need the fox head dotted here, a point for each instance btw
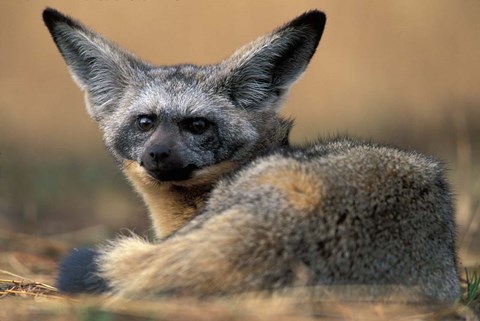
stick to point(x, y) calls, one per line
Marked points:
point(181, 123)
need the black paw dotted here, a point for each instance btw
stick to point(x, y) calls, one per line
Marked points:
point(78, 273)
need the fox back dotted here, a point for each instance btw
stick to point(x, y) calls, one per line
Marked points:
point(234, 205)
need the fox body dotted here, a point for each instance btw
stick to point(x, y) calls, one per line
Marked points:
point(234, 206)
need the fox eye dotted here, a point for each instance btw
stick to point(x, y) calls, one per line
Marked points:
point(145, 122)
point(196, 126)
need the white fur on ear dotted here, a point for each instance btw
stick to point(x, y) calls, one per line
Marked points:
point(98, 66)
point(259, 74)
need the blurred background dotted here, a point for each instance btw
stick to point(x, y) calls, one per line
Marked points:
point(400, 72)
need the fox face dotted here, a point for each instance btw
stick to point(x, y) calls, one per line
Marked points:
point(177, 123)
point(173, 133)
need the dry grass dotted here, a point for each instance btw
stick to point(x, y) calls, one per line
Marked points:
point(25, 288)
point(24, 299)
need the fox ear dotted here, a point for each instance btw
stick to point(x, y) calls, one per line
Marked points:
point(259, 74)
point(97, 65)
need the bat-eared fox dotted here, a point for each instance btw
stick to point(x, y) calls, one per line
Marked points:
point(234, 206)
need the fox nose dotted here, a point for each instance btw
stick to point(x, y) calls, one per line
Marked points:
point(161, 157)
point(158, 153)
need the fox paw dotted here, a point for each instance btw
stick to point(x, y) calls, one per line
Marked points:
point(78, 273)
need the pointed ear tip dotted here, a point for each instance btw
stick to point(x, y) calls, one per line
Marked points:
point(315, 18)
point(319, 15)
point(52, 17)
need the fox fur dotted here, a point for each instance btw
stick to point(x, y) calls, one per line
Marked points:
point(237, 208)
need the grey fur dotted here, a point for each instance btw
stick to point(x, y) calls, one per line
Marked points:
point(119, 87)
point(353, 213)
point(386, 217)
